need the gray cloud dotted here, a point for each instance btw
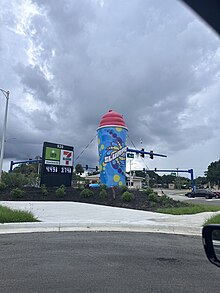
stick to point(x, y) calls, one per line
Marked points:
point(154, 62)
point(35, 83)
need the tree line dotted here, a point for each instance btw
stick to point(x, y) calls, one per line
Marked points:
point(212, 175)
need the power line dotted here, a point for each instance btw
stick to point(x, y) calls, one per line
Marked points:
point(132, 142)
point(136, 149)
point(86, 147)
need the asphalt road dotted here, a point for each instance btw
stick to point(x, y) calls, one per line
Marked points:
point(213, 201)
point(105, 262)
point(180, 195)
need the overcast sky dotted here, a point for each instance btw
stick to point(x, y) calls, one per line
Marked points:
point(66, 63)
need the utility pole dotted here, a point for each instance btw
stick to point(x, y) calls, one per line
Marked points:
point(147, 178)
point(6, 94)
point(177, 178)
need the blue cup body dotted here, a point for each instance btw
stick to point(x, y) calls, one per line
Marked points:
point(112, 147)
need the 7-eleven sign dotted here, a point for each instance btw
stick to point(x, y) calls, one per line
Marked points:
point(66, 158)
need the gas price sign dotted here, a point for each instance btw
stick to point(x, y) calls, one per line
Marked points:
point(57, 164)
point(51, 169)
point(66, 170)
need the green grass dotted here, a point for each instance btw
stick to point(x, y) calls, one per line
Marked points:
point(189, 210)
point(8, 215)
point(213, 220)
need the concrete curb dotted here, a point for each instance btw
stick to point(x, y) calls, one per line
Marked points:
point(96, 226)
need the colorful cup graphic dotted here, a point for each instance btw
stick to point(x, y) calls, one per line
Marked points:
point(112, 147)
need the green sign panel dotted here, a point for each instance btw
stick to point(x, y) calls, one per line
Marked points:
point(52, 154)
point(173, 174)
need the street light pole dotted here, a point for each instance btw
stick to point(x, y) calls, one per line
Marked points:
point(6, 94)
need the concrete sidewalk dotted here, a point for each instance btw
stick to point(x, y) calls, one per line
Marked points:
point(73, 216)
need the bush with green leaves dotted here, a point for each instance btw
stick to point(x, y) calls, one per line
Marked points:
point(103, 194)
point(166, 200)
point(33, 180)
point(123, 188)
point(61, 191)
point(127, 196)
point(154, 197)
point(104, 186)
point(153, 204)
point(13, 180)
point(2, 186)
point(44, 190)
point(86, 193)
point(147, 191)
point(17, 192)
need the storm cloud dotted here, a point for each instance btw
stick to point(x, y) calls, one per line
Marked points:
point(66, 63)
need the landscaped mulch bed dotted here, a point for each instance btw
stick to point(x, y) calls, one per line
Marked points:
point(140, 202)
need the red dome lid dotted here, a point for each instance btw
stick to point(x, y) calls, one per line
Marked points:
point(112, 118)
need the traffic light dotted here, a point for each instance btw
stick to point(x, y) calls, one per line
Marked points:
point(87, 167)
point(151, 155)
point(142, 155)
point(96, 168)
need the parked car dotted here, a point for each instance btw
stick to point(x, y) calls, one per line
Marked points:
point(94, 185)
point(201, 193)
point(217, 194)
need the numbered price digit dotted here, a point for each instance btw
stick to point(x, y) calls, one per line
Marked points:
point(51, 169)
point(65, 170)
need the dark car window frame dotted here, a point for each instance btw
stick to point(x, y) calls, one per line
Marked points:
point(207, 10)
point(208, 243)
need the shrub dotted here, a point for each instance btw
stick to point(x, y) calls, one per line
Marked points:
point(33, 180)
point(123, 188)
point(2, 186)
point(127, 196)
point(14, 179)
point(103, 186)
point(166, 200)
point(17, 193)
point(154, 197)
point(61, 191)
point(102, 194)
point(44, 190)
point(86, 192)
point(153, 204)
point(147, 191)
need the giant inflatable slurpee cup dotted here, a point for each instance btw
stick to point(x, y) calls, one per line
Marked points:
point(112, 147)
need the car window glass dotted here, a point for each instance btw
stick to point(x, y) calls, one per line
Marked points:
point(216, 242)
